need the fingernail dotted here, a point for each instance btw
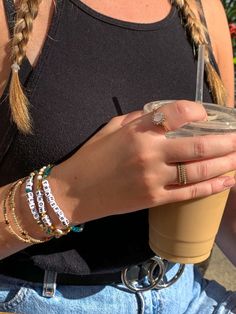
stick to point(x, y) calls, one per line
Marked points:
point(229, 182)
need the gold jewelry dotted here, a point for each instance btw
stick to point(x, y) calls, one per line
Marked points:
point(182, 175)
point(7, 222)
point(23, 236)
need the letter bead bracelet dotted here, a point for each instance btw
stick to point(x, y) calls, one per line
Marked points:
point(37, 192)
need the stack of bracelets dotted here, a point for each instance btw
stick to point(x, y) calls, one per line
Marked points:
point(40, 191)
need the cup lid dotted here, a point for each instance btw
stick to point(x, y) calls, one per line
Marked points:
point(220, 120)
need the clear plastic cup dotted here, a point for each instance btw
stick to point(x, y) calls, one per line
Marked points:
point(184, 232)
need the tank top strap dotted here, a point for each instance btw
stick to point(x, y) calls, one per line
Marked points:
point(10, 14)
point(203, 20)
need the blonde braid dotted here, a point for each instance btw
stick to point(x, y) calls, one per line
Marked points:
point(198, 33)
point(27, 12)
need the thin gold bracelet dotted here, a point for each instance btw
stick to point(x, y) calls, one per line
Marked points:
point(24, 236)
point(12, 210)
point(6, 219)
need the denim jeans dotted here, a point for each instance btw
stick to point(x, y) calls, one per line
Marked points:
point(191, 294)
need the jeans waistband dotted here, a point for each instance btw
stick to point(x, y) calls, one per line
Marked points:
point(132, 276)
point(35, 274)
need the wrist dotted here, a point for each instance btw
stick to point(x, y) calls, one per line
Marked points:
point(41, 214)
point(75, 190)
point(65, 190)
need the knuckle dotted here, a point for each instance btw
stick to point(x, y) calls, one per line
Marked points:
point(148, 184)
point(115, 119)
point(199, 148)
point(182, 107)
point(140, 163)
point(194, 191)
point(131, 137)
point(139, 145)
point(148, 187)
point(190, 110)
point(202, 170)
point(142, 159)
point(154, 197)
point(211, 188)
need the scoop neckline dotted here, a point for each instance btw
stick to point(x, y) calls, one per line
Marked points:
point(126, 24)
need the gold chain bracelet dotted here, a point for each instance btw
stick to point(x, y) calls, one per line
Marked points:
point(24, 236)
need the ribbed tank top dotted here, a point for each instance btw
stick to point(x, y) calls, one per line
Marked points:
point(92, 68)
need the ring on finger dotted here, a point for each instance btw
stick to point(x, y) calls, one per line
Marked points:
point(182, 173)
point(159, 118)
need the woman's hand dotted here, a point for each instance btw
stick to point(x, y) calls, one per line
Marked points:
point(130, 165)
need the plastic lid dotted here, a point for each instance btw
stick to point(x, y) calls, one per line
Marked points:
point(220, 120)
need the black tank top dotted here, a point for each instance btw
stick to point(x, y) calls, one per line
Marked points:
point(91, 69)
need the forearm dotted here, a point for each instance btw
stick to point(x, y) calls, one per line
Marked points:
point(76, 196)
point(226, 237)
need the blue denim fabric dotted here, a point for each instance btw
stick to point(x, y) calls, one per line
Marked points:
point(191, 294)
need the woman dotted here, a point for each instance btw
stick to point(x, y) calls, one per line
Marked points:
point(83, 65)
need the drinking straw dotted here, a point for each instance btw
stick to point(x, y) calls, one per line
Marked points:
point(200, 74)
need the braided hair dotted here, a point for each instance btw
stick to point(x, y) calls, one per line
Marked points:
point(198, 35)
point(26, 13)
point(25, 16)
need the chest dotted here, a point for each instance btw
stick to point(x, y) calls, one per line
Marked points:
point(143, 11)
point(92, 69)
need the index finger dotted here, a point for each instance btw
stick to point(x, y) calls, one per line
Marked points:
point(180, 112)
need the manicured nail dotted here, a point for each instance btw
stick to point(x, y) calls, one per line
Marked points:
point(229, 182)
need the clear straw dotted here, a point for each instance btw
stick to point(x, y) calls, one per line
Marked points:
point(200, 74)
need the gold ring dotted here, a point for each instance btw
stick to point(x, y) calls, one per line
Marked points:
point(182, 175)
point(158, 118)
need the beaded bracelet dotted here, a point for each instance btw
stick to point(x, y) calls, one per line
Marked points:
point(52, 202)
point(39, 211)
point(40, 214)
point(44, 184)
point(42, 175)
point(24, 236)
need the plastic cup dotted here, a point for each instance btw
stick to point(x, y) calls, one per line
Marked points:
point(184, 232)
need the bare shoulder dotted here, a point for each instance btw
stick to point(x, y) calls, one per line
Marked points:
point(216, 21)
point(220, 37)
point(3, 25)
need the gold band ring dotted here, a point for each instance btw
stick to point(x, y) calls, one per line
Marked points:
point(182, 175)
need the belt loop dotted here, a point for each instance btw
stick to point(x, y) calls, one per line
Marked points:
point(49, 284)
